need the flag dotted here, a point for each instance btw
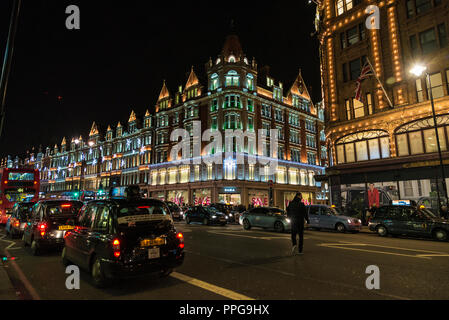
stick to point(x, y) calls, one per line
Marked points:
point(365, 73)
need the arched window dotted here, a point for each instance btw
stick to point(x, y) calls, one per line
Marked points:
point(231, 58)
point(250, 81)
point(419, 136)
point(361, 146)
point(232, 79)
point(214, 81)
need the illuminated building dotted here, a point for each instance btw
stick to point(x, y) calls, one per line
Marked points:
point(392, 146)
point(232, 95)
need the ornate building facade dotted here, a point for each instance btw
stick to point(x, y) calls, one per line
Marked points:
point(387, 139)
point(233, 95)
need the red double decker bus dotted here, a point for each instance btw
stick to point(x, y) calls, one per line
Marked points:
point(17, 185)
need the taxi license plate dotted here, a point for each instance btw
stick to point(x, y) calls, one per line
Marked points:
point(154, 253)
point(66, 227)
point(152, 242)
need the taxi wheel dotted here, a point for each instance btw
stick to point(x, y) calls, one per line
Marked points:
point(246, 224)
point(340, 227)
point(165, 272)
point(278, 226)
point(64, 259)
point(35, 248)
point(97, 273)
point(382, 231)
point(440, 235)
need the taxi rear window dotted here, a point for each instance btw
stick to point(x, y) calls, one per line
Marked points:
point(142, 213)
point(59, 209)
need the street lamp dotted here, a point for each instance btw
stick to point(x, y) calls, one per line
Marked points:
point(417, 71)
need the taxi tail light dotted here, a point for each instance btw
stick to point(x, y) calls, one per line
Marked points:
point(116, 247)
point(16, 223)
point(42, 228)
point(66, 205)
point(180, 237)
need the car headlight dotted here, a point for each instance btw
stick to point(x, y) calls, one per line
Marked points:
point(230, 215)
point(360, 221)
point(213, 217)
point(226, 218)
point(288, 220)
point(349, 220)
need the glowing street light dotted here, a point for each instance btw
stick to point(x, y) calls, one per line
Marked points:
point(77, 141)
point(418, 70)
point(91, 143)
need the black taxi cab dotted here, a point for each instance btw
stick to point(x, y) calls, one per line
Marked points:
point(49, 221)
point(124, 237)
point(402, 218)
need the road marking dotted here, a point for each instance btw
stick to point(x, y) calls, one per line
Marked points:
point(251, 237)
point(343, 245)
point(210, 287)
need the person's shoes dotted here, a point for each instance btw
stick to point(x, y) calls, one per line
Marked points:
point(300, 253)
point(293, 250)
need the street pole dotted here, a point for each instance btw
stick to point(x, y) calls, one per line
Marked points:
point(438, 144)
point(8, 59)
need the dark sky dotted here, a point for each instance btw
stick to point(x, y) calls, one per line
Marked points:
point(118, 59)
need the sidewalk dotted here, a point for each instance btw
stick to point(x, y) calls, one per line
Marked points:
point(7, 291)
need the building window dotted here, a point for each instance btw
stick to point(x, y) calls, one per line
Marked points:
point(348, 109)
point(209, 172)
point(281, 152)
point(419, 90)
point(355, 67)
point(250, 81)
point(310, 125)
point(278, 115)
point(250, 105)
point(364, 145)
point(310, 141)
point(214, 105)
point(280, 174)
point(214, 81)
point(267, 127)
point(295, 137)
point(293, 119)
point(419, 136)
point(442, 36)
point(266, 111)
point(428, 41)
point(295, 155)
point(229, 169)
point(250, 126)
point(414, 45)
point(344, 5)
point(232, 121)
point(436, 82)
point(232, 101)
point(251, 172)
point(415, 7)
point(359, 108)
point(277, 94)
point(270, 82)
point(352, 36)
point(323, 152)
point(311, 158)
point(369, 103)
point(232, 79)
point(214, 123)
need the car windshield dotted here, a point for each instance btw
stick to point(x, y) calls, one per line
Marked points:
point(334, 211)
point(212, 210)
point(173, 206)
point(24, 210)
point(142, 214)
point(63, 209)
point(426, 213)
point(277, 211)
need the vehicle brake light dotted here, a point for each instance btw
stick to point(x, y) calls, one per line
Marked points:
point(116, 247)
point(16, 223)
point(42, 227)
point(143, 207)
point(180, 237)
point(5, 182)
point(67, 205)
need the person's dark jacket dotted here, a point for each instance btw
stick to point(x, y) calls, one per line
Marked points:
point(297, 211)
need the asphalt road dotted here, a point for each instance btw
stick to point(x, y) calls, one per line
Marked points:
point(231, 263)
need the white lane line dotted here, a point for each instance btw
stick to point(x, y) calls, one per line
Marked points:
point(251, 237)
point(389, 247)
point(210, 287)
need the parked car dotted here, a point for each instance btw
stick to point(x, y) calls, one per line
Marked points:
point(329, 217)
point(410, 221)
point(17, 222)
point(267, 218)
point(206, 215)
point(49, 222)
point(175, 210)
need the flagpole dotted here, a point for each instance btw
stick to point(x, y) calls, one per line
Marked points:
point(378, 80)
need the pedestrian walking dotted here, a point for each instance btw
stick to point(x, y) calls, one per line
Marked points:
point(297, 213)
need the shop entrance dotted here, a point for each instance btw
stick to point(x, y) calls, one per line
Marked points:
point(230, 198)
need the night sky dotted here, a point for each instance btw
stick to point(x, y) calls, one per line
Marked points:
point(63, 80)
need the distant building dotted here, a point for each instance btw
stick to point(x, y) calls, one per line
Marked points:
point(233, 95)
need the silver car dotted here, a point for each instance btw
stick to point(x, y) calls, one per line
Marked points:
point(265, 217)
point(328, 217)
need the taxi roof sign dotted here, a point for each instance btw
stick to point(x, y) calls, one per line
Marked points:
point(401, 202)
